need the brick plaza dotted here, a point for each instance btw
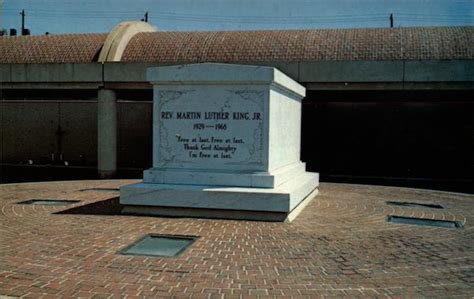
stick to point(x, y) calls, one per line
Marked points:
point(339, 246)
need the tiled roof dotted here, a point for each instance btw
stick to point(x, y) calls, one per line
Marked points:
point(70, 48)
point(303, 45)
point(419, 43)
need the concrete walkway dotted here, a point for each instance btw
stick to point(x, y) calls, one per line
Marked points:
point(340, 245)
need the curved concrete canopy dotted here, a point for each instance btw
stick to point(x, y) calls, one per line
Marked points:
point(118, 39)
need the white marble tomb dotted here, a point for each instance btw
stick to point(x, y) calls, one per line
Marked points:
point(226, 144)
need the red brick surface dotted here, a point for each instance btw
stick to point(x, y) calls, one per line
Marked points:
point(339, 246)
point(70, 48)
point(252, 46)
point(303, 45)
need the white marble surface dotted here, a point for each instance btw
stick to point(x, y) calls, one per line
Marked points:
point(221, 178)
point(284, 129)
point(225, 125)
point(210, 127)
point(219, 73)
point(282, 199)
point(225, 137)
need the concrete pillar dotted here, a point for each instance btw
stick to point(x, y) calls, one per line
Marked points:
point(106, 133)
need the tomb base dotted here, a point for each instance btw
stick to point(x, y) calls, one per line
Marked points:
point(282, 203)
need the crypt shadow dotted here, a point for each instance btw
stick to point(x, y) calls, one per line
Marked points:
point(110, 206)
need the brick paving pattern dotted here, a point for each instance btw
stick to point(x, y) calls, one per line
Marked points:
point(339, 246)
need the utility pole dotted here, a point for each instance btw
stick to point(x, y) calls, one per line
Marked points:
point(22, 13)
point(146, 17)
point(391, 20)
point(3, 31)
point(24, 31)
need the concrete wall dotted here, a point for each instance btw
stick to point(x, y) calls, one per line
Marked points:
point(135, 125)
point(29, 132)
point(420, 135)
point(425, 135)
point(431, 137)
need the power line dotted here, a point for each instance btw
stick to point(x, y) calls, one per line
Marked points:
point(108, 12)
point(207, 18)
point(122, 13)
point(215, 18)
point(338, 20)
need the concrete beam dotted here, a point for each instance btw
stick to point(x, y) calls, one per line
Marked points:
point(51, 73)
point(106, 133)
point(439, 71)
point(390, 86)
point(136, 72)
point(128, 85)
point(314, 74)
point(351, 71)
point(126, 72)
point(5, 73)
point(51, 85)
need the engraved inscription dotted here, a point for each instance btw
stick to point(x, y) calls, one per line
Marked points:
point(210, 144)
point(223, 131)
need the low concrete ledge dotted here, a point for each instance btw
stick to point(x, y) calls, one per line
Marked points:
point(351, 71)
point(127, 72)
point(366, 86)
point(439, 71)
point(397, 71)
point(51, 73)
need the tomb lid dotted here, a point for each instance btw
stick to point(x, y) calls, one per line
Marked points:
point(220, 73)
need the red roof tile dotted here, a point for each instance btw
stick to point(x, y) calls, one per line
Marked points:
point(71, 48)
point(251, 46)
point(302, 45)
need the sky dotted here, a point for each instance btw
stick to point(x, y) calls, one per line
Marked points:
point(75, 16)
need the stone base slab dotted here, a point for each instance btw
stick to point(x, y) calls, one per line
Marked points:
point(220, 214)
point(250, 203)
point(236, 179)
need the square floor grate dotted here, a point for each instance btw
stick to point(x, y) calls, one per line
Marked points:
point(425, 222)
point(414, 204)
point(159, 245)
point(48, 202)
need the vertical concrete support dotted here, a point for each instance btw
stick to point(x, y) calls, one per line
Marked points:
point(106, 133)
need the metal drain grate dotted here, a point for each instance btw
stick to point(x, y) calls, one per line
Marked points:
point(48, 202)
point(100, 190)
point(425, 222)
point(159, 245)
point(414, 204)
